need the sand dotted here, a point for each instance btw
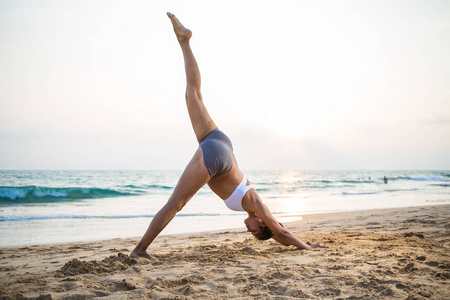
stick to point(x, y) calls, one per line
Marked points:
point(375, 254)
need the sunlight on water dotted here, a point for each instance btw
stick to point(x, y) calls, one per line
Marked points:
point(288, 181)
point(288, 218)
point(289, 204)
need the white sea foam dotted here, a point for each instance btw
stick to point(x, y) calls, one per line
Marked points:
point(428, 178)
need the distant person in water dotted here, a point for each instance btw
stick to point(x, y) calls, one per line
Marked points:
point(214, 164)
point(385, 179)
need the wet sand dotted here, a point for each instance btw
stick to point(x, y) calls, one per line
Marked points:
point(375, 254)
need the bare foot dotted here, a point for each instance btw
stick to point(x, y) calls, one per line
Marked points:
point(183, 34)
point(136, 254)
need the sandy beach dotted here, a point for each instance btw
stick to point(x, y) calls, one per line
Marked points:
point(374, 254)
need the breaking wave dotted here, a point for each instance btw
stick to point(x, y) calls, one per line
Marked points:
point(48, 194)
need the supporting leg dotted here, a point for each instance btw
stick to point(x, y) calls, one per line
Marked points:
point(200, 118)
point(193, 178)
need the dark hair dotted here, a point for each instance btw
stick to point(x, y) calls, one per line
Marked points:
point(265, 233)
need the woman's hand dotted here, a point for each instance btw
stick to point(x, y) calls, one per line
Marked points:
point(318, 245)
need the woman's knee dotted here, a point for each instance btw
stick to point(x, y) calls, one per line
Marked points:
point(176, 204)
point(193, 95)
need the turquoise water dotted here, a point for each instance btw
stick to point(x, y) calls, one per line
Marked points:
point(39, 207)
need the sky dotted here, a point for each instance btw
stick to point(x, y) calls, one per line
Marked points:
point(296, 85)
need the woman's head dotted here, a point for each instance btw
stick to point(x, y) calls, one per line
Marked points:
point(257, 227)
point(264, 234)
point(254, 224)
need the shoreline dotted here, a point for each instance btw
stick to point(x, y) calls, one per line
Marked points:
point(307, 216)
point(70, 207)
point(376, 253)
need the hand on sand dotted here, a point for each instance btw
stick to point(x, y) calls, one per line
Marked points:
point(318, 245)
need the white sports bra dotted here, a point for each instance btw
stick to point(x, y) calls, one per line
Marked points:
point(234, 202)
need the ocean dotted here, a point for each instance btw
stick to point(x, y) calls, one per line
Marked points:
point(42, 207)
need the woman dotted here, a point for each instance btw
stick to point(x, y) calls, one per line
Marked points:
point(213, 163)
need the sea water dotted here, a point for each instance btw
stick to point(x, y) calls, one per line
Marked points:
point(40, 207)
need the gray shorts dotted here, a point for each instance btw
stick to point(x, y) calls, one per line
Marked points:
point(217, 153)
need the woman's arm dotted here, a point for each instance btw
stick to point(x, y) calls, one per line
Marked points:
point(289, 239)
point(297, 242)
point(280, 234)
point(253, 204)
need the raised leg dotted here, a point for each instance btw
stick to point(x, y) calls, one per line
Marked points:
point(200, 118)
point(193, 178)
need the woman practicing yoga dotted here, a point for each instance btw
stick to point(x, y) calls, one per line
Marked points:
point(213, 163)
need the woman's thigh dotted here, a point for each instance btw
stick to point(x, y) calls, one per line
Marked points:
point(200, 118)
point(194, 177)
